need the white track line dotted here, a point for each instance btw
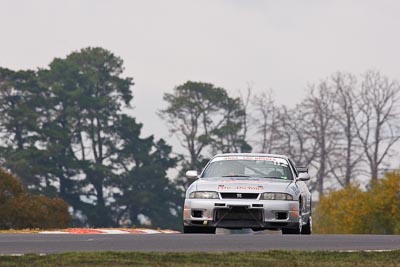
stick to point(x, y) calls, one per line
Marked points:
point(52, 232)
point(116, 231)
point(113, 232)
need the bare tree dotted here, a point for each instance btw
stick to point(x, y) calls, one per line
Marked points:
point(294, 140)
point(345, 162)
point(322, 129)
point(377, 120)
point(266, 120)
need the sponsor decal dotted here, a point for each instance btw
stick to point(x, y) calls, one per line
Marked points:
point(241, 187)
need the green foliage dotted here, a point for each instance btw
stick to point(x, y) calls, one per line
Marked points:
point(202, 117)
point(20, 106)
point(19, 210)
point(353, 211)
point(67, 134)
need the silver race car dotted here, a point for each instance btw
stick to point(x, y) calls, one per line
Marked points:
point(247, 190)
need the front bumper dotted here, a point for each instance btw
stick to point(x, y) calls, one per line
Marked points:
point(243, 213)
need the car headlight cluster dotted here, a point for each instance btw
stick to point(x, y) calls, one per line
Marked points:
point(276, 196)
point(204, 195)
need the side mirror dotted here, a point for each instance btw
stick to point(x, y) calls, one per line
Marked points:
point(303, 176)
point(301, 169)
point(192, 175)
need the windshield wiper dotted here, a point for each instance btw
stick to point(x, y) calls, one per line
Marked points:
point(271, 177)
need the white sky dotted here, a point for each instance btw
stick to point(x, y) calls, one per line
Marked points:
point(272, 44)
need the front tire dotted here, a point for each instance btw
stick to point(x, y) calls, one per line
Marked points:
point(198, 230)
point(307, 229)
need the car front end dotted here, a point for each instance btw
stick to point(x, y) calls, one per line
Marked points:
point(245, 207)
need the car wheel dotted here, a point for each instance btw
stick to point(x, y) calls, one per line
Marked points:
point(198, 230)
point(307, 229)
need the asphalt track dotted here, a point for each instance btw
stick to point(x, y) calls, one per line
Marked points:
point(58, 243)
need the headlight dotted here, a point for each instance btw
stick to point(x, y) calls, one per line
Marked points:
point(276, 196)
point(204, 194)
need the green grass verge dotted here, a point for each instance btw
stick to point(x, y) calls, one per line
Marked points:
point(267, 258)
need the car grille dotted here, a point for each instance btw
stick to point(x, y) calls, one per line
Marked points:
point(239, 195)
point(239, 217)
point(239, 213)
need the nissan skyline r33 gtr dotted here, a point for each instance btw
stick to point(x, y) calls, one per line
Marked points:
point(247, 190)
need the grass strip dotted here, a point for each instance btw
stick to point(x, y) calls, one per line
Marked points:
point(267, 258)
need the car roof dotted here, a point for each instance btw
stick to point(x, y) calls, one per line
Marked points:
point(251, 155)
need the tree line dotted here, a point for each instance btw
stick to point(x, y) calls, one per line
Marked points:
point(67, 131)
point(344, 128)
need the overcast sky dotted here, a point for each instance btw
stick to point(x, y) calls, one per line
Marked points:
point(272, 44)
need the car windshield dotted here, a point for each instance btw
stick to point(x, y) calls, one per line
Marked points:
point(264, 167)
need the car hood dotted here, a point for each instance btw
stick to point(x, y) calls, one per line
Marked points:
point(241, 184)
